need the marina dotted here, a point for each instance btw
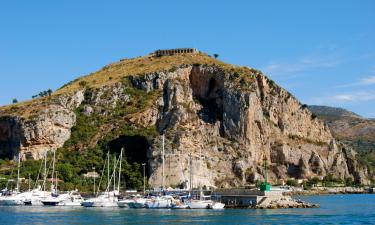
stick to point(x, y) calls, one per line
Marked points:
point(334, 209)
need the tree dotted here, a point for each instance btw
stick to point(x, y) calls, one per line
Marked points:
point(14, 101)
point(216, 55)
point(82, 83)
point(291, 182)
point(49, 92)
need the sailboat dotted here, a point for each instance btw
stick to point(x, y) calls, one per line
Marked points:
point(15, 197)
point(136, 202)
point(204, 202)
point(107, 198)
point(72, 198)
point(160, 202)
point(165, 201)
point(34, 197)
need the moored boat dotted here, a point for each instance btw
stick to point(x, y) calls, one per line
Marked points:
point(161, 202)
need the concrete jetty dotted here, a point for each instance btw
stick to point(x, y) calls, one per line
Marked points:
point(254, 198)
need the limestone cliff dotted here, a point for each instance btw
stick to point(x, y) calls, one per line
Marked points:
point(220, 122)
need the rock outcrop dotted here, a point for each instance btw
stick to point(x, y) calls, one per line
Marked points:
point(232, 129)
point(221, 123)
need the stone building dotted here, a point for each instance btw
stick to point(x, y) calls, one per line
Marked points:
point(164, 52)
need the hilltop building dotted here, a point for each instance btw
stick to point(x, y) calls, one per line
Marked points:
point(164, 52)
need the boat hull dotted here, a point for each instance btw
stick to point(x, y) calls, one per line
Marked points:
point(50, 203)
point(11, 202)
point(136, 205)
point(87, 204)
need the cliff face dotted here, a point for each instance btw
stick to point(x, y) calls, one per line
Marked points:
point(351, 129)
point(220, 124)
point(46, 131)
point(232, 126)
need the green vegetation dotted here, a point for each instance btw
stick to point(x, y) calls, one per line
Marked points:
point(291, 182)
point(43, 94)
point(351, 130)
point(89, 142)
point(79, 154)
point(14, 101)
point(118, 71)
point(82, 83)
point(303, 139)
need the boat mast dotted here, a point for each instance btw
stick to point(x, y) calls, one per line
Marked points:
point(200, 179)
point(119, 172)
point(56, 183)
point(191, 172)
point(18, 173)
point(45, 172)
point(53, 169)
point(29, 182)
point(114, 172)
point(162, 157)
point(108, 173)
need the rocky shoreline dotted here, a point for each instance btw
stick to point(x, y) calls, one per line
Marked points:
point(287, 203)
point(332, 190)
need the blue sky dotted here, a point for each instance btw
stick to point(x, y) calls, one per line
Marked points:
point(321, 51)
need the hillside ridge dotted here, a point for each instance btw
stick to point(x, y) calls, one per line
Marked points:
point(232, 117)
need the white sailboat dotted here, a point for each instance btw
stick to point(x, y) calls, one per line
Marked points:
point(138, 202)
point(107, 198)
point(72, 198)
point(204, 202)
point(165, 201)
point(15, 197)
point(160, 202)
point(34, 197)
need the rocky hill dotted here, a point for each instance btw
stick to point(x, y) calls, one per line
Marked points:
point(351, 129)
point(220, 122)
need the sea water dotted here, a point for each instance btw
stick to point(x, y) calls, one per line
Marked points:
point(335, 209)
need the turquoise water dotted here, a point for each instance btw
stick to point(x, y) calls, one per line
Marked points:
point(335, 209)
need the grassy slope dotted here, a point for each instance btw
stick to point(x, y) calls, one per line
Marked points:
point(115, 72)
point(79, 154)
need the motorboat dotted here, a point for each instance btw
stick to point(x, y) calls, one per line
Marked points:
point(216, 205)
point(198, 204)
point(204, 202)
point(179, 205)
point(36, 196)
point(12, 200)
point(70, 199)
point(124, 203)
point(138, 203)
point(160, 202)
point(52, 201)
point(75, 199)
point(106, 199)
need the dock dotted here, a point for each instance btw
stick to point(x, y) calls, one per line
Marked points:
point(254, 198)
